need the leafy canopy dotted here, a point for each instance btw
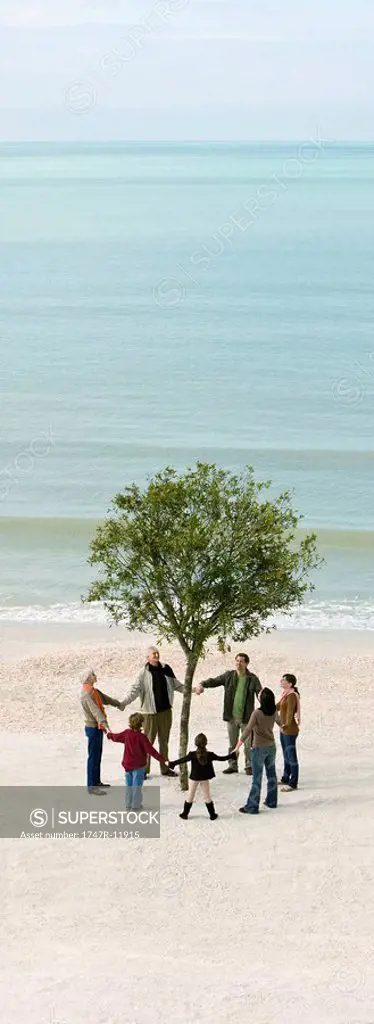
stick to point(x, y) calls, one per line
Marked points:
point(199, 555)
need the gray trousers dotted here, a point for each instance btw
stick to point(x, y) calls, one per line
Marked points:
point(234, 729)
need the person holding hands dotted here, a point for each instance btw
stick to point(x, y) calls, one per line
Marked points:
point(240, 689)
point(136, 750)
point(260, 733)
point(93, 702)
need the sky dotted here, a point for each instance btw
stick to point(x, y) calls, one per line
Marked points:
point(186, 69)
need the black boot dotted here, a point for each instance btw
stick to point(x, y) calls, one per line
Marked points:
point(186, 810)
point(211, 811)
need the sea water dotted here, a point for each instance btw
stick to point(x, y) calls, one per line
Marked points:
point(167, 303)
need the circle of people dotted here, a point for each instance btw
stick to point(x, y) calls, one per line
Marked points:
point(248, 727)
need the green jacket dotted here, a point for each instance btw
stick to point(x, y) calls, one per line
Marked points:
point(229, 681)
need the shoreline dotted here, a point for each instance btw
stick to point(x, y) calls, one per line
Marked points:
point(25, 640)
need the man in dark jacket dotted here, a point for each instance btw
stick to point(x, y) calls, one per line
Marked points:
point(241, 687)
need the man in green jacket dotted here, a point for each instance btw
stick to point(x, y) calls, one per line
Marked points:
point(241, 687)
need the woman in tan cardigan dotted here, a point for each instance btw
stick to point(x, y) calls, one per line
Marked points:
point(288, 719)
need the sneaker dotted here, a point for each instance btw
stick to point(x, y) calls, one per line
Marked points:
point(288, 789)
point(170, 774)
point(230, 771)
point(96, 791)
point(243, 810)
point(104, 785)
point(248, 771)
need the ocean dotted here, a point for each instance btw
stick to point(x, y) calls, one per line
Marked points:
point(165, 303)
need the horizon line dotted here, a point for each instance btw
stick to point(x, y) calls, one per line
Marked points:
point(182, 142)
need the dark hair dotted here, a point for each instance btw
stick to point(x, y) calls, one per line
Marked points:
point(200, 744)
point(245, 656)
point(291, 679)
point(267, 701)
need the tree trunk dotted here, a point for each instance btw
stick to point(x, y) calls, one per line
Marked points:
point(192, 661)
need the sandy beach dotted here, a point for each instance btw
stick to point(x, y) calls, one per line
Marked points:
point(266, 918)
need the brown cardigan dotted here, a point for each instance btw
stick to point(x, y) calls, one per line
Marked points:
point(286, 715)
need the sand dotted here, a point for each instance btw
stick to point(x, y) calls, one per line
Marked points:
point(267, 919)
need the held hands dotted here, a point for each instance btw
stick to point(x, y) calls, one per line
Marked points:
point(198, 689)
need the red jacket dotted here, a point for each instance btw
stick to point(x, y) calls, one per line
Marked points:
point(137, 746)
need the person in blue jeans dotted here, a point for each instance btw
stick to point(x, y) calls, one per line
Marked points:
point(137, 749)
point(93, 703)
point(288, 719)
point(260, 731)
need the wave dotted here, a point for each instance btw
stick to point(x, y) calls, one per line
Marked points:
point(316, 615)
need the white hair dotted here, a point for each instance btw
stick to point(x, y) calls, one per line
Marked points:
point(87, 674)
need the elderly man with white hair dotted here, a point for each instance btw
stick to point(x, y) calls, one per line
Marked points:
point(155, 687)
point(96, 723)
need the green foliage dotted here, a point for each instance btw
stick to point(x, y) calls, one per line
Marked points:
point(201, 555)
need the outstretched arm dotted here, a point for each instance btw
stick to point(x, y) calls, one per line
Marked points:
point(151, 750)
point(224, 757)
point(181, 760)
point(247, 731)
point(117, 737)
point(212, 681)
point(132, 694)
point(109, 700)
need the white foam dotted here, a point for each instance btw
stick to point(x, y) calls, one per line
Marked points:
point(75, 612)
point(318, 615)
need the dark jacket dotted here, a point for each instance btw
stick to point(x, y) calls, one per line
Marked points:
point(229, 681)
point(202, 772)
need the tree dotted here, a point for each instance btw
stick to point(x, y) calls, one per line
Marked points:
point(200, 555)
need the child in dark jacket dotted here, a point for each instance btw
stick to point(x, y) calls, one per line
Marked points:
point(137, 748)
point(201, 772)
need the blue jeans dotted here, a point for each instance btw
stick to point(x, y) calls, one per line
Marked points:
point(95, 749)
point(133, 791)
point(291, 765)
point(263, 757)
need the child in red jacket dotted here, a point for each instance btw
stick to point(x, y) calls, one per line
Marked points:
point(134, 761)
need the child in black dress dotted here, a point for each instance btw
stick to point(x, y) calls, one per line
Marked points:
point(201, 771)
